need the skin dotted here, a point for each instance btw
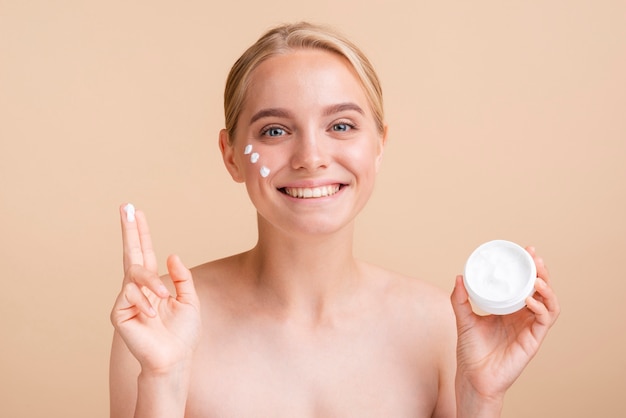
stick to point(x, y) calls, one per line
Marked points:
point(297, 326)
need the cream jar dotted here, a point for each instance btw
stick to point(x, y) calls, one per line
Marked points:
point(499, 276)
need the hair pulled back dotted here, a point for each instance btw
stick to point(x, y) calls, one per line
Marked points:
point(287, 38)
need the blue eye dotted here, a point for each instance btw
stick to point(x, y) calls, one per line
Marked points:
point(274, 131)
point(341, 127)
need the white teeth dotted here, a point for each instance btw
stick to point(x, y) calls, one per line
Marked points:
point(312, 192)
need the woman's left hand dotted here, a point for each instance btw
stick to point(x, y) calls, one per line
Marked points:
point(493, 350)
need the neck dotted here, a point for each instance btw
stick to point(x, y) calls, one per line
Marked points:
point(303, 274)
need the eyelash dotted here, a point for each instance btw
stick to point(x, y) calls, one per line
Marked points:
point(349, 126)
point(265, 131)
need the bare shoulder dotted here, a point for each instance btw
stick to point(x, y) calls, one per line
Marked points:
point(208, 273)
point(418, 309)
point(411, 295)
point(219, 277)
point(421, 321)
point(398, 296)
point(210, 277)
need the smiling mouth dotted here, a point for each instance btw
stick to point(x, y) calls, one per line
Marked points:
point(311, 192)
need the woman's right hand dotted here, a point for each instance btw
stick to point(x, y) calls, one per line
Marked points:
point(160, 330)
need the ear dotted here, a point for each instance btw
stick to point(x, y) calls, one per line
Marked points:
point(381, 147)
point(228, 155)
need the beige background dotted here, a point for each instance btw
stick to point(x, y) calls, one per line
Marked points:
point(508, 120)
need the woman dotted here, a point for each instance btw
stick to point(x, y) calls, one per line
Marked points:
point(297, 326)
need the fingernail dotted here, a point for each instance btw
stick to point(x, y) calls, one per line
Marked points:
point(130, 212)
point(163, 292)
point(152, 312)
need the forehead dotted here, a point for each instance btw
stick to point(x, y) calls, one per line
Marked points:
point(304, 77)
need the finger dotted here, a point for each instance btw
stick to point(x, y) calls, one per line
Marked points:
point(460, 303)
point(542, 323)
point(130, 302)
point(542, 270)
point(183, 281)
point(145, 240)
point(131, 242)
point(548, 297)
point(536, 295)
point(546, 313)
point(136, 239)
point(142, 277)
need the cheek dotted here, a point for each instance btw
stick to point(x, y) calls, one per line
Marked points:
point(258, 161)
point(362, 158)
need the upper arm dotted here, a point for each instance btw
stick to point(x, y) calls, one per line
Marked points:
point(446, 400)
point(123, 372)
point(433, 343)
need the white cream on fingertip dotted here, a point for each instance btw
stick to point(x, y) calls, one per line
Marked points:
point(264, 171)
point(130, 212)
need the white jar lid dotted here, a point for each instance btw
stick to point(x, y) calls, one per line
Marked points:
point(499, 276)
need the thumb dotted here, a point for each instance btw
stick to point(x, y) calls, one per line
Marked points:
point(461, 304)
point(183, 280)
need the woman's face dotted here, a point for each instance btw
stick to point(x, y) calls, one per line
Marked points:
point(306, 146)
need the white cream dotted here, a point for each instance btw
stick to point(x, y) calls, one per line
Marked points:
point(254, 157)
point(130, 212)
point(499, 276)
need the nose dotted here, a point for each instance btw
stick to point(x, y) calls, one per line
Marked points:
point(309, 152)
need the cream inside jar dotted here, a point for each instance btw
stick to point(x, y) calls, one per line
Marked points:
point(499, 276)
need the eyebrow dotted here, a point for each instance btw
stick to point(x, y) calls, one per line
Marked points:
point(342, 107)
point(283, 113)
point(271, 112)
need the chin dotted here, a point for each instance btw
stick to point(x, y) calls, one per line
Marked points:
point(309, 226)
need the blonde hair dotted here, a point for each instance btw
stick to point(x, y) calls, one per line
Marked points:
point(285, 38)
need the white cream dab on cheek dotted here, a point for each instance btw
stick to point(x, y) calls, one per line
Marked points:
point(499, 276)
point(254, 157)
point(130, 212)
